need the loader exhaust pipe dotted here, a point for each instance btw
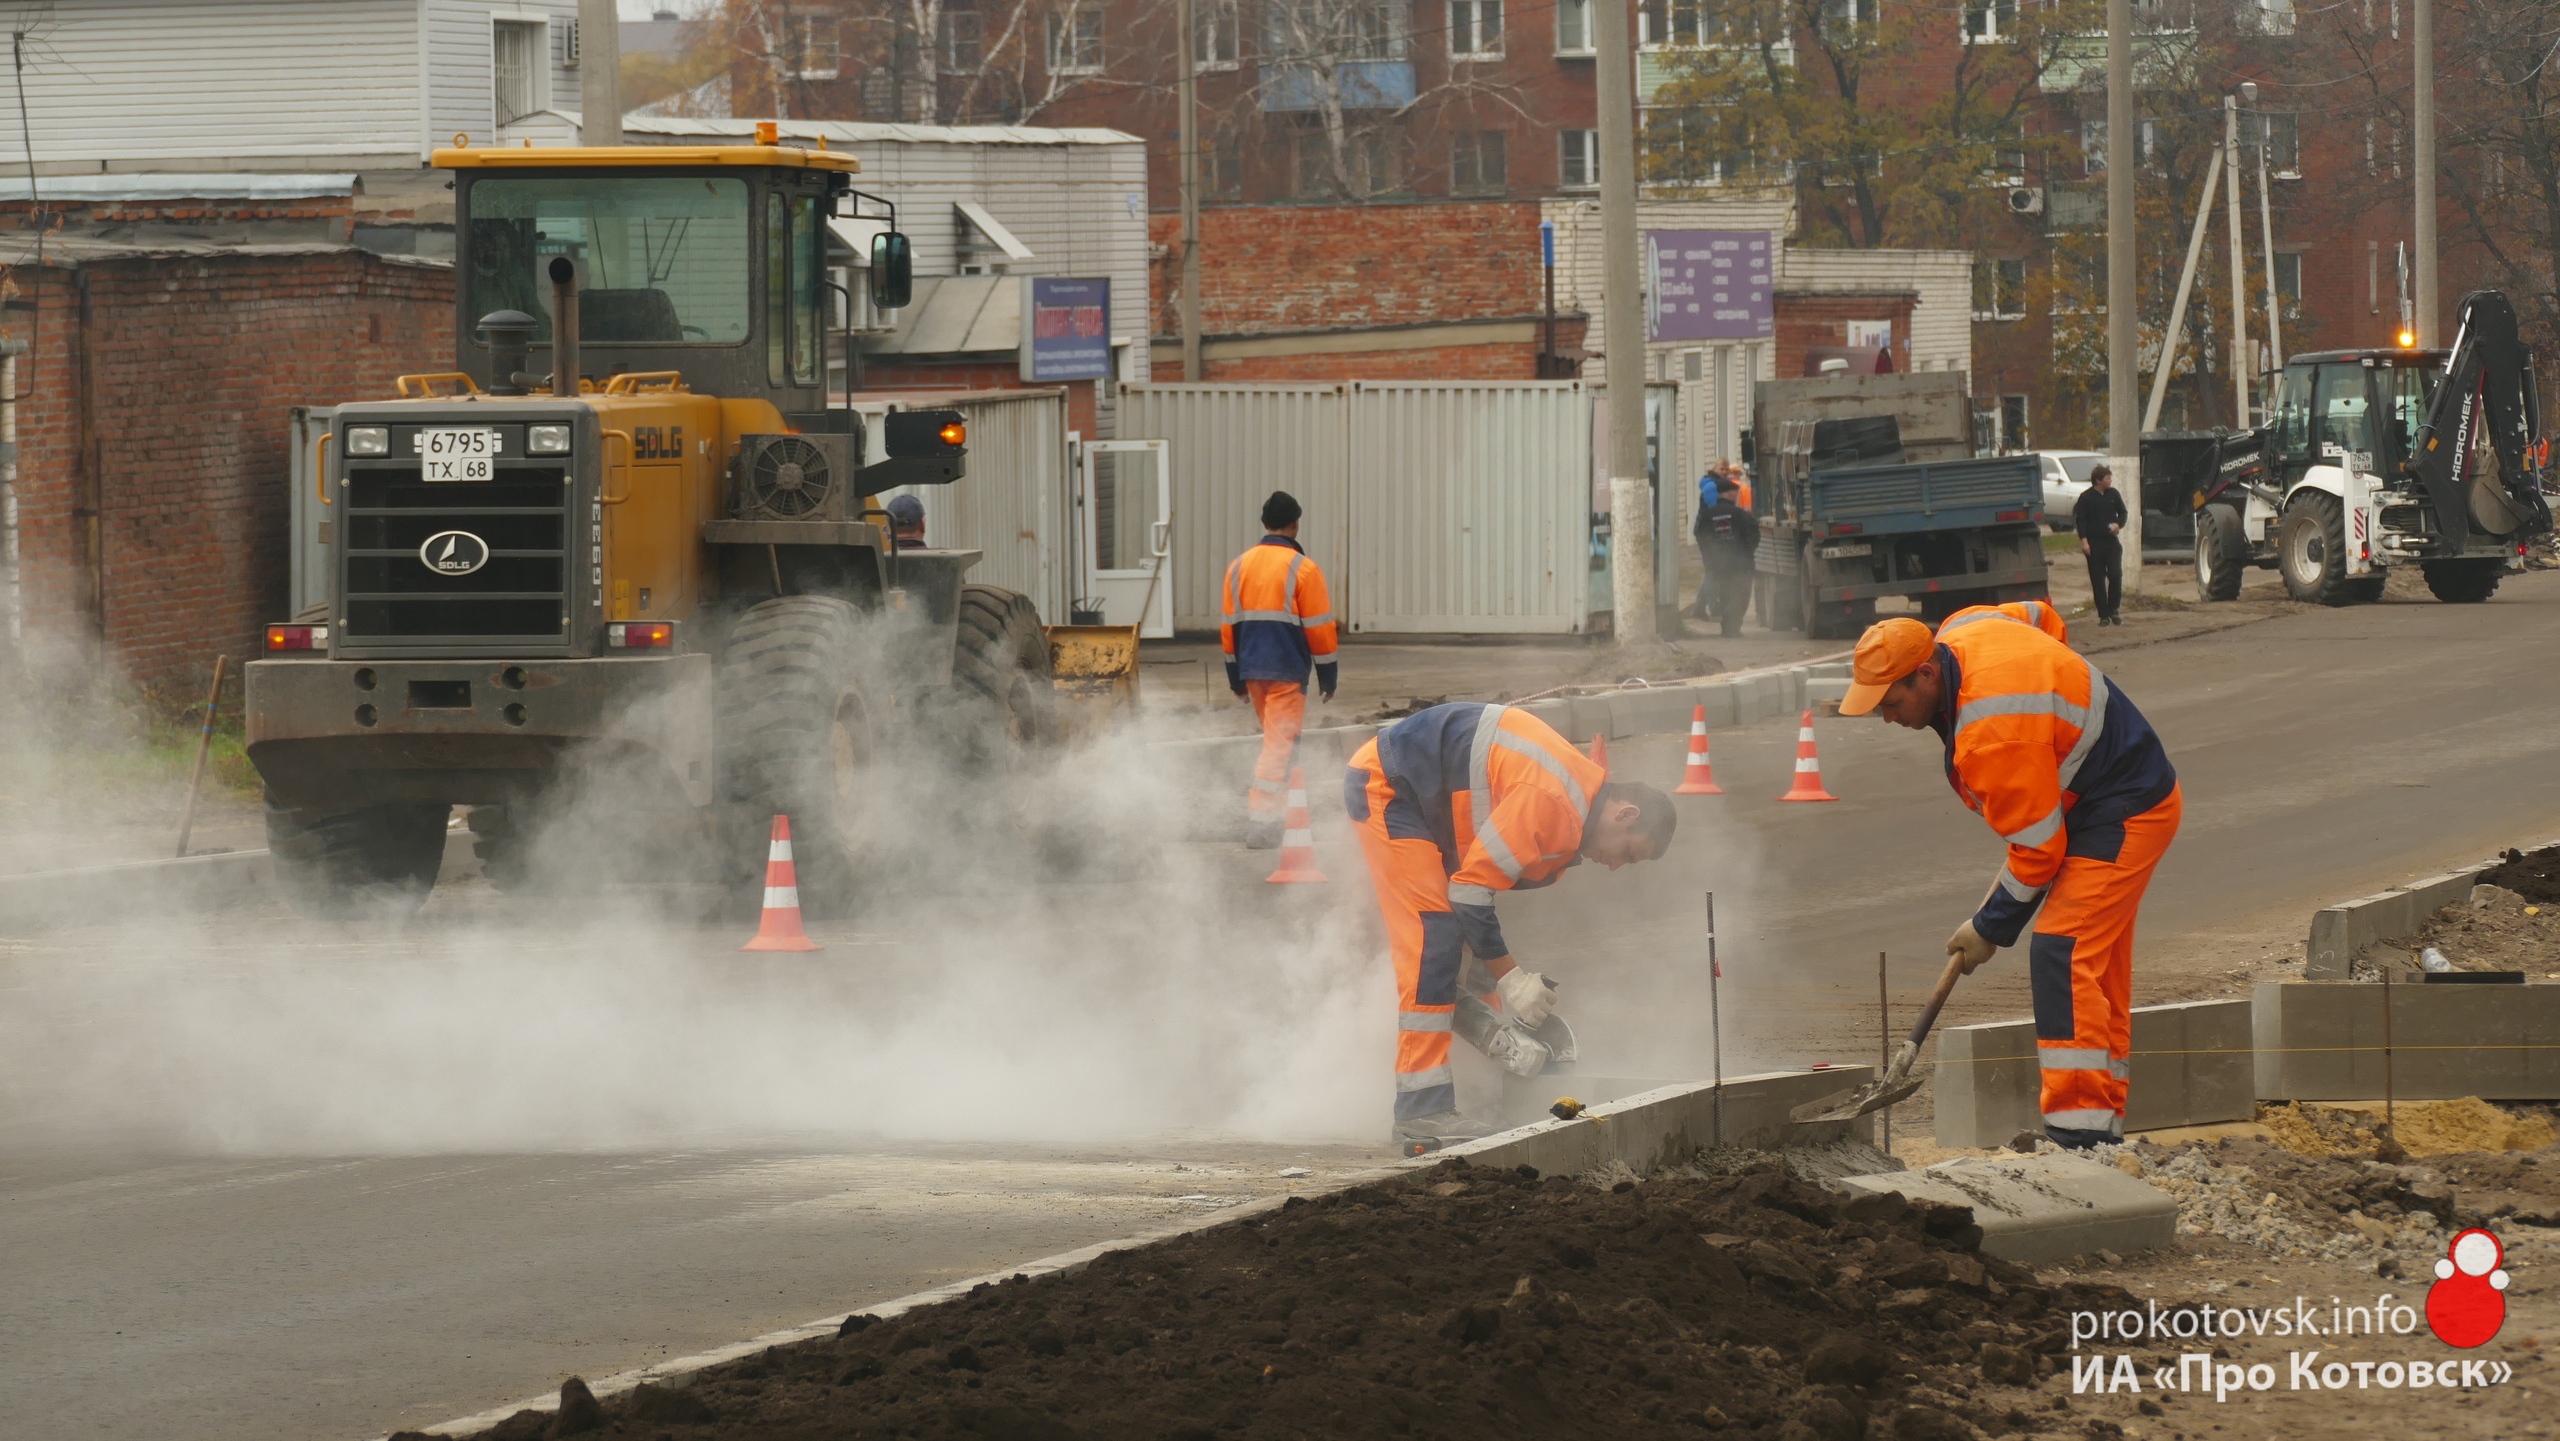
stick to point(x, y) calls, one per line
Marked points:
point(564, 325)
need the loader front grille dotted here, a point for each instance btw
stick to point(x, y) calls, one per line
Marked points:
point(516, 526)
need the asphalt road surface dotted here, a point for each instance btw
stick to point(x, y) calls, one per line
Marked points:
point(262, 1178)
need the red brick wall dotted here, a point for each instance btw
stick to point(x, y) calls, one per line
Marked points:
point(87, 216)
point(1343, 267)
point(191, 365)
point(1805, 321)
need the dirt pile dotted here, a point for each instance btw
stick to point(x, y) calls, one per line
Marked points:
point(1460, 1302)
point(2534, 875)
point(2496, 929)
point(2422, 1128)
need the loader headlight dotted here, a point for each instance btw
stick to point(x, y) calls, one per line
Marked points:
point(546, 439)
point(368, 440)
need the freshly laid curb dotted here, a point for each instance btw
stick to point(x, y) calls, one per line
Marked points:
point(2193, 1065)
point(2048, 1207)
point(43, 899)
point(2340, 932)
point(1659, 1128)
point(2324, 1041)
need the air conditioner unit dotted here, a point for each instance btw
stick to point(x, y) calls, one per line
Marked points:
point(2026, 200)
point(568, 44)
point(792, 477)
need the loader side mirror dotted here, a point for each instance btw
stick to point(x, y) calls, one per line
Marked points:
point(893, 271)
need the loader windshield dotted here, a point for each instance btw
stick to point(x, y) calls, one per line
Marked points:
point(666, 256)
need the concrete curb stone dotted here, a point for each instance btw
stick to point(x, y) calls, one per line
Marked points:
point(2034, 1209)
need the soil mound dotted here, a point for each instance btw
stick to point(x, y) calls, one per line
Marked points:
point(1459, 1302)
point(2534, 875)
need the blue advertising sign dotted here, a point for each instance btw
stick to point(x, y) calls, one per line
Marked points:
point(1710, 285)
point(1066, 328)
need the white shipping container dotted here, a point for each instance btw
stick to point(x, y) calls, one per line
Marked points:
point(1230, 446)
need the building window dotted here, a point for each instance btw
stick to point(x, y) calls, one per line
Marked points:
point(2284, 146)
point(2013, 422)
point(1679, 24)
point(2289, 284)
point(1840, 16)
point(2093, 147)
point(963, 42)
point(516, 69)
point(1579, 159)
point(1368, 169)
point(1475, 29)
point(1213, 37)
point(820, 54)
point(1075, 39)
point(1476, 163)
point(1573, 27)
point(1222, 164)
point(1999, 290)
point(1989, 20)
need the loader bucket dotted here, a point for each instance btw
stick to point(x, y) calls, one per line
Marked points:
point(1094, 669)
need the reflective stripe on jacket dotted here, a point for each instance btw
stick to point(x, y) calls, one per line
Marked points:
point(2041, 746)
point(1503, 796)
point(1279, 618)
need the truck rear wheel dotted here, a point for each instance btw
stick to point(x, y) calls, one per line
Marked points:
point(2463, 582)
point(363, 860)
point(792, 733)
point(2216, 577)
point(1002, 661)
point(2311, 550)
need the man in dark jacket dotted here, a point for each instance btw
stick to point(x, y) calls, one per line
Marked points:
point(2098, 515)
point(1726, 535)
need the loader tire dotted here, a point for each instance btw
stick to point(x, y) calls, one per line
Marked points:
point(2311, 550)
point(2463, 582)
point(502, 848)
point(2217, 576)
point(1001, 667)
point(792, 732)
point(333, 864)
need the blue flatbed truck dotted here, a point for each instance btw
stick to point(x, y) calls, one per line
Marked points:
point(1867, 486)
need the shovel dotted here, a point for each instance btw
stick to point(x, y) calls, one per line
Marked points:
point(1897, 1082)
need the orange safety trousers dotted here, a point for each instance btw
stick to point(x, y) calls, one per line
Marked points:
point(1281, 706)
point(2080, 971)
point(1412, 882)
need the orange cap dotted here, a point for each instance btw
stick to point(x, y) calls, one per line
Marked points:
point(1890, 650)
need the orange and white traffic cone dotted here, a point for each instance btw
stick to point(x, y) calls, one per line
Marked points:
point(1808, 786)
point(1700, 778)
point(780, 928)
point(1600, 749)
point(1297, 837)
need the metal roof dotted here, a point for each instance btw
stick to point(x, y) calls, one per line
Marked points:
point(849, 132)
point(178, 187)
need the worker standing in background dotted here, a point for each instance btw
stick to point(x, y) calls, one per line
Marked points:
point(1455, 803)
point(906, 522)
point(2098, 516)
point(2042, 746)
point(1727, 536)
point(1278, 623)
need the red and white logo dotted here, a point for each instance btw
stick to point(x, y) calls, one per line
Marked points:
point(2468, 1302)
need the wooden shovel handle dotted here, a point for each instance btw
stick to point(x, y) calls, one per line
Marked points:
point(1937, 998)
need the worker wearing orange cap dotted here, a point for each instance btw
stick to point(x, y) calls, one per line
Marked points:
point(2059, 762)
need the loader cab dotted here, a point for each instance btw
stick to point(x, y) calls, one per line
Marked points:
point(705, 260)
point(2356, 408)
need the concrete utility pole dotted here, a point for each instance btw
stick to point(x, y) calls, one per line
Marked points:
point(2422, 47)
point(2241, 361)
point(1187, 90)
point(599, 73)
point(1622, 312)
point(2124, 158)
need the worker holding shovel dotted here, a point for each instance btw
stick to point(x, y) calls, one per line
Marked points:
point(2058, 761)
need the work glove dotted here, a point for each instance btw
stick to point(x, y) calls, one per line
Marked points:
point(1528, 996)
point(1968, 946)
point(1328, 674)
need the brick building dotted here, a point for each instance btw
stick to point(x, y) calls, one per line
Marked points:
point(151, 499)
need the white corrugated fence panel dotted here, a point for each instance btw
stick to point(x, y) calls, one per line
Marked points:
point(1010, 503)
point(1231, 446)
point(1470, 507)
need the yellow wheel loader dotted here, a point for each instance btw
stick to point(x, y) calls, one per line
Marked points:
point(627, 539)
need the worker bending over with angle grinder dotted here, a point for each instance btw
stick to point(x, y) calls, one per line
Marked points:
point(1453, 804)
point(2060, 763)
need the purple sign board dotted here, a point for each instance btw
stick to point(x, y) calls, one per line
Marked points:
point(1066, 328)
point(1710, 285)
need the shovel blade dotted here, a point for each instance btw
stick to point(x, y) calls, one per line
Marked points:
point(1897, 1083)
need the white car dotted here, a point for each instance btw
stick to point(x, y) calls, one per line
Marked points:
point(2066, 476)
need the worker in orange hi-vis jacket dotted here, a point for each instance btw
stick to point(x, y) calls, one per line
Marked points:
point(1453, 804)
point(1278, 623)
point(2042, 746)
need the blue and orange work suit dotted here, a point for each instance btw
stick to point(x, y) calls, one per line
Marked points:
point(1278, 622)
point(1453, 804)
point(2059, 762)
